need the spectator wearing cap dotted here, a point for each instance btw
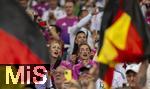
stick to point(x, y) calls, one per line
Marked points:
point(131, 75)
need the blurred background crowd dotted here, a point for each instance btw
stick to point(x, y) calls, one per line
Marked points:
point(71, 29)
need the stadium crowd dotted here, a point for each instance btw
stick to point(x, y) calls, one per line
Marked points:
point(71, 29)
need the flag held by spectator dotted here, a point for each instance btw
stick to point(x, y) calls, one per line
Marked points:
point(21, 41)
point(124, 33)
point(124, 36)
point(106, 74)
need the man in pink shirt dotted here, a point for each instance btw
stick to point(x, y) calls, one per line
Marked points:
point(67, 22)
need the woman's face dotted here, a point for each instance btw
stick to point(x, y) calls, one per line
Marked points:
point(80, 38)
point(55, 49)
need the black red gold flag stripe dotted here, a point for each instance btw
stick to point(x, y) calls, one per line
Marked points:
point(124, 36)
point(106, 74)
point(21, 41)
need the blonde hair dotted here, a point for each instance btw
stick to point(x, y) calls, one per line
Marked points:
point(55, 41)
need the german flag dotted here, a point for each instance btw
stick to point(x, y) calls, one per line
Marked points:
point(123, 36)
point(106, 73)
point(21, 41)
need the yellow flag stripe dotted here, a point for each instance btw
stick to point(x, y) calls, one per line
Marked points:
point(107, 53)
point(118, 32)
point(116, 35)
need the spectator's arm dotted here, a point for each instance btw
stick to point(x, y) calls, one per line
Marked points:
point(142, 74)
point(84, 20)
point(81, 23)
point(96, 22)
point(53, 32)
